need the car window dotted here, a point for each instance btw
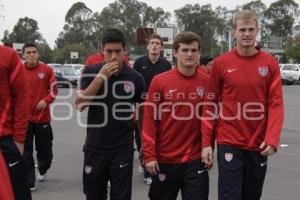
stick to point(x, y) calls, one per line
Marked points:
point(57, 70)
point(78, 67)
point(68, 71)
point(286, 67)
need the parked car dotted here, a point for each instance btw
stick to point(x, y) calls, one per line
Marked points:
point(60, 79)
point(70, 74)
point(291, 70)
point(286, 79)
point(76, 67)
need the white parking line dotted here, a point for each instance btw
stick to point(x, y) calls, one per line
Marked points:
point(284, 145)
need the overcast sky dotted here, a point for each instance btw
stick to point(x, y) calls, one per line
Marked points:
point(50, 14)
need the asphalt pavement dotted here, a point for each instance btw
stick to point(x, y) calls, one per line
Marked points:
point(64, 178)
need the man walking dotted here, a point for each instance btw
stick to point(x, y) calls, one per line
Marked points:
point(171, 129)
point(149, 66)
point(42, 92)
point(13, 119)
point(109, 89)
point(245, 91)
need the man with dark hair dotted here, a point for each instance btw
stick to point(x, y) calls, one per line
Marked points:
point(206, 63)
point(171, 130)
point(109, 89)
point(42, 92)
point(99, 58)
point(245, 92)
point(152, 63)
point(14, 116)
point(149, 66)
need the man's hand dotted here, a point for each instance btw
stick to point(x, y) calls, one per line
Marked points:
point(20, 147)
point(141, 157)
point(267, 150)
point(41, 105)
point(207, 157)
point(110, 69)
point(152, 167)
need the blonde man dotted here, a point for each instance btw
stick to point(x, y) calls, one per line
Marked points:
point(245, 85)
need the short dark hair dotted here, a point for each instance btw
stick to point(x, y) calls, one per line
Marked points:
point(26, 45)
point(205, 59)
point(113, 36)
point(156, 36)
point(186, 38)
point(8, 44)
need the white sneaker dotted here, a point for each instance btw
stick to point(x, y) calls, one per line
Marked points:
point(41, 177)
point(148, 180)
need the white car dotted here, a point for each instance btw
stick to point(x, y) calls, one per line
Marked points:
point(286, 79)
point(291, 70)
point(76, 67)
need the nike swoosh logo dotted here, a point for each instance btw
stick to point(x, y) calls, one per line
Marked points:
point(231, 70)
point(200, 172)
point(170, 91)
point(13, 164)
point(121, 166)
point(263, 164)
point(45, 126)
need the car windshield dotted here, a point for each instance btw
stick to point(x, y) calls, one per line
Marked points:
point(55, 65)
point(78, 67)
point(69, 71)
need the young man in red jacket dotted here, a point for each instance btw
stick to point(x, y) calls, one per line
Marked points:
point(171, 136)
point(42, 92)
point(13, 119)
point(245, 91)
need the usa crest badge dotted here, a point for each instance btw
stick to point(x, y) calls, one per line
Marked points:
point(162, 177)
point(41, 75)
point(228, 157)
point(128, 87)
point(200, 91)
point(88, 169)
point(263, 71)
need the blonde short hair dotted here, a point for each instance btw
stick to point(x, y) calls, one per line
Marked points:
point(244, 15)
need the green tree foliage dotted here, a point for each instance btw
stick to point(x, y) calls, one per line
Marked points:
point(209, 24)
point(281, 17)
point(62, 55)
point(26, 30)
point(6, 37)
point(128, 15)
point(45, 52)
point(259, 8)
point(293, 48)
point(78, 27)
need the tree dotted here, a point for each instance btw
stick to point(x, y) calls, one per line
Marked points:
point(281, 18)
point(62, 55)
point(6, 37)
point(45, 52)
point(293, 48)
point(78, 27)
point(26, 30)
point(209, 24)
point(259, 8)
point(128, 15)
